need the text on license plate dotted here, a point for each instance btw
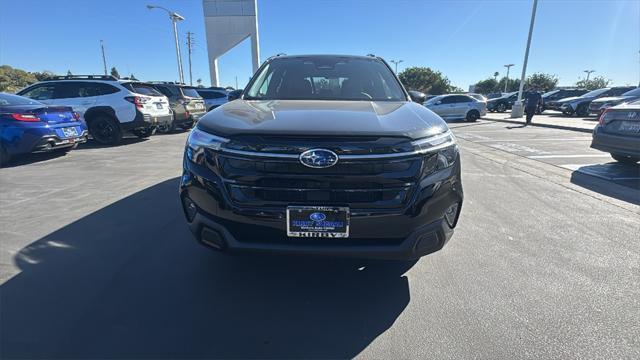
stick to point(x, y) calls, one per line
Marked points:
point(159, 105)
point(70, 132)
point(318, 221)
point(630, 126)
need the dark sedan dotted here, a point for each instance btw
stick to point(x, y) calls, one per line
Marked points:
point(618, 132)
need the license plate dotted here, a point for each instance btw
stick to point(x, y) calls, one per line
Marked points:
point(158, 105)
point(630, 126)
point(318, 221)
point(69, 131)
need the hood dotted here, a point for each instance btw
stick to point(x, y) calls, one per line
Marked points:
point(572, 98)
point(319, 117)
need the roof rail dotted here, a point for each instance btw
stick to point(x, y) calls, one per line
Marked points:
point(275, 56)
point(82, 77)
point(166, 82)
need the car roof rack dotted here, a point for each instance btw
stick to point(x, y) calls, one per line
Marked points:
point(82, 77)
point(166, 82)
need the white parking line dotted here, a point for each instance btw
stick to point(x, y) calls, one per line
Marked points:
point(516, 140)
point(569, 156)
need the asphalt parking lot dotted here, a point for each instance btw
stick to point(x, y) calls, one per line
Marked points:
point(96, 261)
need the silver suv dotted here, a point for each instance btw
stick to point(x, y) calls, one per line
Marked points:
point(457, 107)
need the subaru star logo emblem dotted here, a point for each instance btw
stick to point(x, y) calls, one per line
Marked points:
point(318, 158)
point(316, 216)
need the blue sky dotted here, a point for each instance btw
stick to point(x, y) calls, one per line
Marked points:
point(466, 40)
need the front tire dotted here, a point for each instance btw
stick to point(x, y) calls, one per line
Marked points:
point(629, 160)
point(582, 110)
point(501, 108)
point(473, 115)
point(105, 130)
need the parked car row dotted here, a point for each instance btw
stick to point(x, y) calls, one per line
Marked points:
point(469, 107)
point(99, 106)
point(581, 105)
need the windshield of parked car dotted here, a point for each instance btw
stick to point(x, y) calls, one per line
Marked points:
point(595, 92)
point(190, 92)
point(142, 89)
point(325, 78)
point(634, 92)
point(15, 100)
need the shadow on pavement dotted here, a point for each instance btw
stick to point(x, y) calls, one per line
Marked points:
point(129, 281)
point(599, 178)
point(25, 159)
point(127, 140)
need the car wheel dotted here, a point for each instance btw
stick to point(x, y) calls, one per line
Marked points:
point(473, 115)
point(167, 129)
point(625, 159)
point(4, 157)
point(105, 130)
point(582, 110)
point(143, 133)
point(567, 112)
point(501, 108)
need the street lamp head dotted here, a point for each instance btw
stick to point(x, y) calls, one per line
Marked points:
point(177, 16)
point(150, 7)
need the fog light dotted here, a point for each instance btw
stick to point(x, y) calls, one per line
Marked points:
point(451, 213)
point(190, 209)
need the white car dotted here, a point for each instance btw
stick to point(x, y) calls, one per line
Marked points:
point(457, 107)
point(108, 106)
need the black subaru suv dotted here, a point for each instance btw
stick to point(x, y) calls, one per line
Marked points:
point(323, 154)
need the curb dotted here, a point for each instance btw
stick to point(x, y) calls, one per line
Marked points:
point(553, 126)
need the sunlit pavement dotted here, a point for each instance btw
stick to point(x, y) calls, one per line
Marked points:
point(549, 118)
point(96, 262)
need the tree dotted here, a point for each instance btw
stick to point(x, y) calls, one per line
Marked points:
point(495, 76)
point(545, 82)
point(114, 73)
point(43, 75)
point(69, 73)
point(133, 77)
point(199, 82)
point(486, 86)
point(597, 82)
point(426, 80)
point(12, 80)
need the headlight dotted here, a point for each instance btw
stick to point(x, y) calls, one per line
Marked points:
point(198, 140)
point(441, 149)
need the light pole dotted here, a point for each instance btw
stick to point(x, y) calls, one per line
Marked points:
point(506, 81)
point(396, 62)
point(589, 73)
point(175, 17)
point(104, 58)
point(517, 110)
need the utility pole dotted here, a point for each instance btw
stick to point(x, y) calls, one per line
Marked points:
point(104, 58)
point(190, 49)
point(236, 82)
point(396, 62)
point(175, 17)
point(517, 110)
point(589, 73)
point(506, 81)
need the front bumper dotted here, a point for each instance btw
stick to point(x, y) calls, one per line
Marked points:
point(615, 144)
point(418, 229)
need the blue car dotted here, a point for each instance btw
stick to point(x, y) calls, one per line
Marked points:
point(28, 126)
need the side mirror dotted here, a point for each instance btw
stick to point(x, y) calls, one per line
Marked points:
point(235, 94)
point(417, 96)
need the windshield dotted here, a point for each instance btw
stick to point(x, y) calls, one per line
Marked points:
point(15, 100)
point(326, 78)
point(595, 92)
point(634, 92)
point(142, 89)
point(190, 92)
